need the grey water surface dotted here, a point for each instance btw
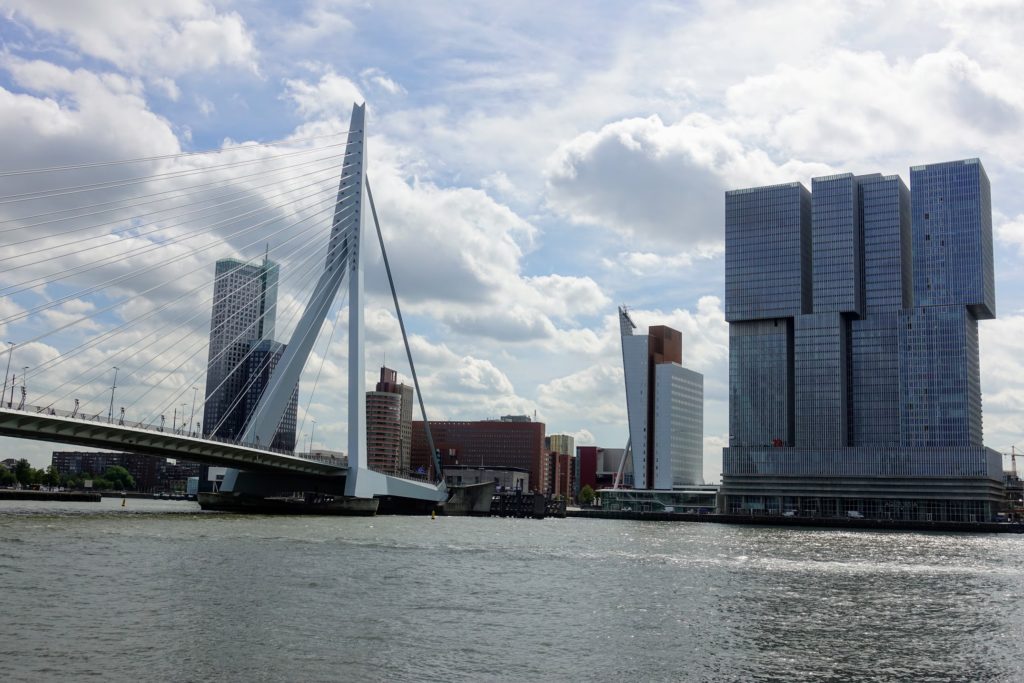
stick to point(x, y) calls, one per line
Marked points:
point(158, 591)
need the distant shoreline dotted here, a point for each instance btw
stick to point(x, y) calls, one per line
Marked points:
point(65, 496)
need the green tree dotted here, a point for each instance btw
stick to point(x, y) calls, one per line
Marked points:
point(586, 496)
point(119, 478)
point(52, 476)
point(23, 472)
point(7, 477)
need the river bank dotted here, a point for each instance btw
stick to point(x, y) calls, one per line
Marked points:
point(66, 496)
point(818, 522)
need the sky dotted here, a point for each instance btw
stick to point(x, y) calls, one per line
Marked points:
point(535, 165)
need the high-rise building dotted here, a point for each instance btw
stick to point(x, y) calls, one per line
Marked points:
point(664, 406)
point(262, 358)
point(560, 443)
point(389, 424)
point(561, 464)
point(244, 311)
point(853, 345)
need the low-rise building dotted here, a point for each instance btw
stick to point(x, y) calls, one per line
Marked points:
point(504, 478)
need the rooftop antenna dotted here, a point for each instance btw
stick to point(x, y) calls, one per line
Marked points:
point(266, 255)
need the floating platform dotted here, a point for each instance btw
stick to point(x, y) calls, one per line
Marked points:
point(469, 499)
point(303, 504)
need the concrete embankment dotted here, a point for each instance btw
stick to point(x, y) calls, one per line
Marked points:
point(827, 522)
point(66, 496)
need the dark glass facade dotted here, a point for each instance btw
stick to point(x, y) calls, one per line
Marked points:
point(760, 382)
point(951, 210)
point(837, 245)
point(262, 358)
point(868, 377)
point(767, 239)
point(821, 386)
point(244, 311)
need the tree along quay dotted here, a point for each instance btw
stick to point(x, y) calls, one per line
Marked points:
point(821, 522)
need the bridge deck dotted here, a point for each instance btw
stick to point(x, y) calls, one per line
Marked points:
point(98, 433)
point(35, 423)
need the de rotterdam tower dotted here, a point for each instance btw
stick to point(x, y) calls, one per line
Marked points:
point(853, 313)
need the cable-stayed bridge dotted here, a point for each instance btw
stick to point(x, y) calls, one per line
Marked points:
point(100, 278)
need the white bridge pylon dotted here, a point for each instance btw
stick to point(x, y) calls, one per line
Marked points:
point(342, 265)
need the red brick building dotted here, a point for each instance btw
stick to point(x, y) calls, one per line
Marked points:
point(508, 442)
point(587, 458)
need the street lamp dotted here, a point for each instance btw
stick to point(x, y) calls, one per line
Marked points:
point(195, 391)
point(110, 413)
point(7, 373)
point(311, 433)
point(183, 418)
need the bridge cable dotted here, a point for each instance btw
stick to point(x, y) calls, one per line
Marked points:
point(202, 344)
point(110, 333)
point(305, 335)
point(243, 145)
point(146, 248)
point(405, 337)
point(323, 359)
point(208, 392)
point(186, 294)
point(185, 190)
point(343, 255)
point(309, 276)
point(109, 185)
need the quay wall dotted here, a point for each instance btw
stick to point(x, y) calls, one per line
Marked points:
point(825, 522)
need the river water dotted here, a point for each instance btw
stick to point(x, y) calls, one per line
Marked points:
point(160, 591)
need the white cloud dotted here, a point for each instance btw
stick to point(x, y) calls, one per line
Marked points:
point(582, 437)
point(941, 105)
point(661, 183)
point(331, 96)
point(168, 37)
point(1002, 378)
point(321, 21)
point(648, 264)
point(205, 106)
point(80, 116)
point(168, 87)
point(377, 78)
point(593, 396)
point(1010, 230)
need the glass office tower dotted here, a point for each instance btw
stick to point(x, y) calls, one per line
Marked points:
point(853, 325)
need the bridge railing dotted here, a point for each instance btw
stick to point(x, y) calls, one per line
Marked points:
point(99, 418)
